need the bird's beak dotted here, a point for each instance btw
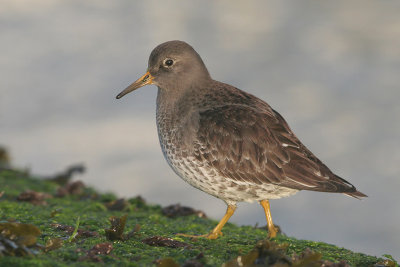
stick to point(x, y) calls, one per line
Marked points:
point(142, 81)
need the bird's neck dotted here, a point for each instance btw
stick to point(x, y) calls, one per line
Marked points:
point(171, 104)
point(184, 91)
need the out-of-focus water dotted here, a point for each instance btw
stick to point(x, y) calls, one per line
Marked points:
point(330, 68)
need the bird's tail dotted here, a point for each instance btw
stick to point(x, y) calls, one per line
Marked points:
point(356, 194)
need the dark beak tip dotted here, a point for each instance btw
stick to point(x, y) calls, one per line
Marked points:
point(120, 95)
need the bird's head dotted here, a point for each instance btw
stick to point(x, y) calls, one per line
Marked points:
point(172, 66)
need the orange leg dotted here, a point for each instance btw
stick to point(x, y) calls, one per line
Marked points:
point(271, 228)
point(217, 230)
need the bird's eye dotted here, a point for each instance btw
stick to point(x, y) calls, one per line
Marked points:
point(168, 62)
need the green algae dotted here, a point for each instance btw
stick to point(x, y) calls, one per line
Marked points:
point(142, 219)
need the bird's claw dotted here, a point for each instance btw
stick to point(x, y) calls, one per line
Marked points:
point(272, 232)
point(214, 235)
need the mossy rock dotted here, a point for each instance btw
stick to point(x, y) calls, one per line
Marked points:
point(142, 222)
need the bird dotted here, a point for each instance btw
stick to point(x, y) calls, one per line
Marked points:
point(225, 141)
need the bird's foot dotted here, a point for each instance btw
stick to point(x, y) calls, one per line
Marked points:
point(212, 235)
point(272, 231)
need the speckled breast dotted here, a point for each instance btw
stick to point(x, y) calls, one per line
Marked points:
point(181, 148)
point(177, 132)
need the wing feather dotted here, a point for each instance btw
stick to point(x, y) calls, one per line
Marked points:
point(256, 145)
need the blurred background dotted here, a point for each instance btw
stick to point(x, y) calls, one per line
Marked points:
point(332, 69)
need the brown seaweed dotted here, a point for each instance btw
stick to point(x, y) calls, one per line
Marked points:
point(159, 241)
point(178, 210)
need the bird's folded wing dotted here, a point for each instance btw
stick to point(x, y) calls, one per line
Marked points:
point(247, 145)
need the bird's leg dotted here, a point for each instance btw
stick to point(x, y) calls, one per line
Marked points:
point(216, 232)
point(271, 228)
